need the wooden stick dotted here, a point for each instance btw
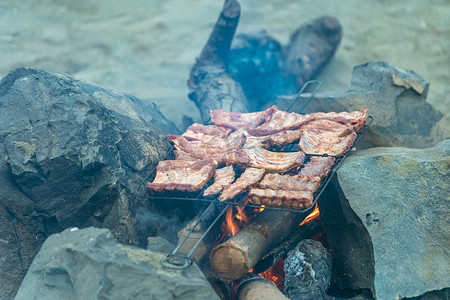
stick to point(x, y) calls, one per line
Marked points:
point(210, 214)
point(259, 288)
point(232, 260)
point(211, 86)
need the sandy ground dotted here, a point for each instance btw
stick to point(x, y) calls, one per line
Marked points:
point(147, 47)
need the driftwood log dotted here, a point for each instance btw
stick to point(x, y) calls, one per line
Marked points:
point(257, 68)
point(232, 259)
point(310, 48)
point(257, 288)
point(210, 85)
point(307, 271)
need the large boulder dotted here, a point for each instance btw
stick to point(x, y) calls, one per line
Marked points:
point(89, 264)
point(395, 98)
point(71, 154)
point(389, 228)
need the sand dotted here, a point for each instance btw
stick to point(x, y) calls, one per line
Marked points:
point(146, 48)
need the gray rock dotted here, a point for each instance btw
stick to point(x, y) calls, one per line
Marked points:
point(89, 264)
point(395, 98)
point(159, 244)
point(71, 154)
point(396, 202)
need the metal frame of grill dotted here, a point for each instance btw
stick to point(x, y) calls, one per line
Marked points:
point(181, 261)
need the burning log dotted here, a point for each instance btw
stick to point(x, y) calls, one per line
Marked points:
point(311, 46)
point(207, 217)
point(232, 259)
point(255, 288)
point(211, 86)
point(281, 251)
point(307, 271)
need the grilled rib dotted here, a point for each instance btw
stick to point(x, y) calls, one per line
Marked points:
point(281, 121)
point(189, 176)
point(206, 133)
point(237, 120)
point(259, 157)
point(279, 198)
point(222, 177)
point(201, 149)
point(319, 142)
point(249, 178)
point(332, 127)
point(277, 139)
point(317, 166)
point(289, 182)
point(354, 119)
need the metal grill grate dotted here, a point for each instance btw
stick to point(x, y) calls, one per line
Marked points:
point(181, 261)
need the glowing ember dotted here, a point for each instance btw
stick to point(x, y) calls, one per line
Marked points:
point(275, 274)
point(260, 209)
point(315, 213)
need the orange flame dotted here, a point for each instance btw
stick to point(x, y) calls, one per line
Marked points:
point(315, 213)
point(230, 224)
point(234, 223)
point(241, 216)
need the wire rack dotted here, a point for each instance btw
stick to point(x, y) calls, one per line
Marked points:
point(176, 260)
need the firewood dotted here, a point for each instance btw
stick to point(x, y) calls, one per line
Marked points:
point(208, 214)
point(211, 86)
point(258, 288)
point(305, 231)
point(232, 259)
point(311, 46)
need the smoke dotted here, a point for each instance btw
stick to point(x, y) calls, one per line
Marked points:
point(157, 224)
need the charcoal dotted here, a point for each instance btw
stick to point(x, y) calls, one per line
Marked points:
point(307, 271)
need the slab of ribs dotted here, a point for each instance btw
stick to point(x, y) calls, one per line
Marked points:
point(245, 154)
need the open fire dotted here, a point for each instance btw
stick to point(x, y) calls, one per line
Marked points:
point(238, 159)
point(235, 221)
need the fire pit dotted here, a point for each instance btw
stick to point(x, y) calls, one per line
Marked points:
point(235, 250)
